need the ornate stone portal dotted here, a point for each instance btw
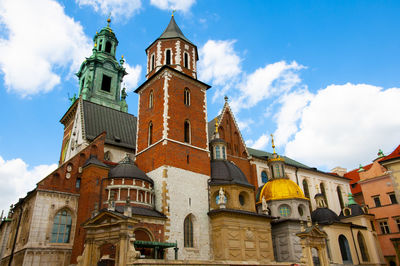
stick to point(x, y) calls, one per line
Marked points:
point(310, 238)
point(113, 229)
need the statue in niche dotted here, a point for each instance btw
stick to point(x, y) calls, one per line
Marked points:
point(264, 206)
point(221, 198)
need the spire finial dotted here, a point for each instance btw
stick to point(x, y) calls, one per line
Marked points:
point(216, 125)
point(226, 98)
point(173, 11)
point(109, 20)
point(273, 143)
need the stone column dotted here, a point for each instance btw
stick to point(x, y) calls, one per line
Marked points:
point(123, 248)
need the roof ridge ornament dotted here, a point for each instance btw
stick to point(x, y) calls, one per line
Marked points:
point(273, 143)
point(109, 20)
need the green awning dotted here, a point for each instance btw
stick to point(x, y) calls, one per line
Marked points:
point(153, 244)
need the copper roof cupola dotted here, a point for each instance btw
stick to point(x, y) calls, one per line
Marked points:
point(173, 49)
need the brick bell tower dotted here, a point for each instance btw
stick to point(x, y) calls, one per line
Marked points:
point(172, 115)
point(172, 140)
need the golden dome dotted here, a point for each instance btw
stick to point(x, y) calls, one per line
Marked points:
point(278, 189)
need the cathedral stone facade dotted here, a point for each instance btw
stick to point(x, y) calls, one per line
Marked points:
point(168, 186)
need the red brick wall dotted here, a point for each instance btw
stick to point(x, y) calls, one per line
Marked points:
point(89, 195)
point(171, 44)
point(236, 151)
point(173, 154)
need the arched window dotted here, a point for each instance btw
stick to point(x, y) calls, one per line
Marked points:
point(217, 152)
point(100, 45)
point(186, 60)
point(339, 193)
point(186, 96)
point(363, 247)
point(188, 232)
point(108, 47)
point(151, 99)
point(150, 136)
point(152, 63)
point(236, 142)
point(305, 189)
point(187, 131)
point(168, 57)
point(264, 177)
point(344, 249)
point(61, 227)
point(323, 192)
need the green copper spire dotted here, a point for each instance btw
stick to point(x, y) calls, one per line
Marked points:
point(351, 200)
point(100, 75)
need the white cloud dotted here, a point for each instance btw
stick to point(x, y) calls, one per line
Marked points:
point(219, 63)
point(181, 5)
point(132, 79)
point(346, 125)
point(119, 9)
point(260, 144)
point(40, 39)
point(17, 178)
point(273, 79)
point(287, 118)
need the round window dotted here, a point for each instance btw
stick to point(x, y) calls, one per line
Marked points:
point(241, 199)
point(284, 211)
point(300, 209)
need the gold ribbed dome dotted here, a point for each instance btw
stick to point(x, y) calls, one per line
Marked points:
point(282, 188)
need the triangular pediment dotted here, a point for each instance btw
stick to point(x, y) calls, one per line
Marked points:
point(104, 217)
point(314, 232)
point(228, 128)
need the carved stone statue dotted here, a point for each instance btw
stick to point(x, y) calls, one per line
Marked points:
point(221, 201)
point(264, 206)
point(132, 253)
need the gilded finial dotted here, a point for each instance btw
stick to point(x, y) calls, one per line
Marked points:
point(122, 56)
point(216, 125)
point(109, 20)
point(95, 44)
point(173, 11)
point(273, 143)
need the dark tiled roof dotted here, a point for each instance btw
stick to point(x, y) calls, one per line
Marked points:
point(355, 211)
point(173, 31)
point(324, 216)
point(93, 160)
point(225, 172)
point(127, 169)
point(264, 154)
point(119, 126)
point(141, 211)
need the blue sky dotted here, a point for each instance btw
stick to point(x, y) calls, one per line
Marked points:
point(323, 76)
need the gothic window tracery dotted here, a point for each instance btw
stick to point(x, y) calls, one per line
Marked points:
point(363, 247)
point(61, 227)
point(188, 231)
